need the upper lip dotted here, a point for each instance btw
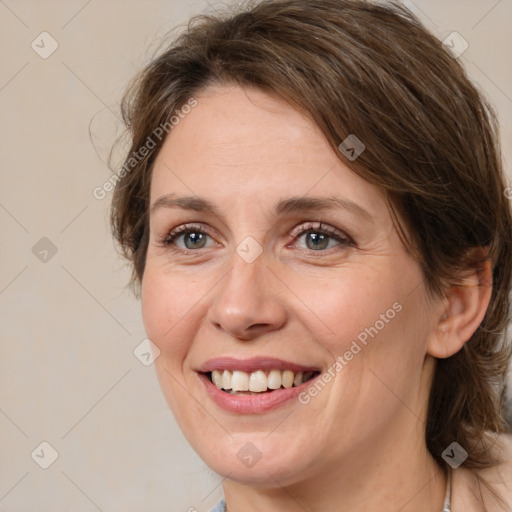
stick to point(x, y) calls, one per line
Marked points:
point(252, 364)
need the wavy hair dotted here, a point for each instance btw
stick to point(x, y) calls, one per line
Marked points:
point(358, 67)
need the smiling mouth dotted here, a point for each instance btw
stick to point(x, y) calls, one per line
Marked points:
point(259, 381)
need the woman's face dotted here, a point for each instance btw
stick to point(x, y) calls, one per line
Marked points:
point(290, 263)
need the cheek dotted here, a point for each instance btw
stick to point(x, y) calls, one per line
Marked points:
point(167, 325)
point(164, 312)
point(382, 350)
point(369, 318)
point(342, 305)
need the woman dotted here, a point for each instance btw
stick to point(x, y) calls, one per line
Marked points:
point(315, 212)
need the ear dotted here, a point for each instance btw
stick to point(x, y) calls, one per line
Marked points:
point(462, 311)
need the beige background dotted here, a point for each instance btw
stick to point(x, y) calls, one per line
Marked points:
point(68, 375)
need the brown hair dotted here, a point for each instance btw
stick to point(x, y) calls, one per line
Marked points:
point(356, 67)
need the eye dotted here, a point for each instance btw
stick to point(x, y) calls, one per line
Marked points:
point(187, 238)
point(318, 237)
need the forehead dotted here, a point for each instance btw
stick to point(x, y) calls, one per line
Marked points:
point(239, 145)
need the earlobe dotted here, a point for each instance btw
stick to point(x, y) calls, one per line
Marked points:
point(464, 308)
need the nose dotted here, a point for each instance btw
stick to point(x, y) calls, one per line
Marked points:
point(249, 301)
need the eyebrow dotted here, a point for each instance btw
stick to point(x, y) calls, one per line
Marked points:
point(285, 206)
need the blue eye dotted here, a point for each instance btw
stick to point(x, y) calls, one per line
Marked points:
point(318, 238)
point(318, 241)
point(193, 237)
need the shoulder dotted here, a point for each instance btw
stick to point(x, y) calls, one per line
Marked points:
point(467, 494)
point(220, 507)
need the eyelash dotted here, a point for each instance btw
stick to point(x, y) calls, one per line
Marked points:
point(310, 227)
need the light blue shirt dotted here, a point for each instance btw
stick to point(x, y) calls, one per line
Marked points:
point(220, 507)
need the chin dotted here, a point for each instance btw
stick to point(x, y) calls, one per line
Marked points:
point(256, 460)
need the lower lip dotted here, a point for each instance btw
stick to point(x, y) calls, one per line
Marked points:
point(252, 404)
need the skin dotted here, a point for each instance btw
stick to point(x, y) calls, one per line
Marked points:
point(358, 445)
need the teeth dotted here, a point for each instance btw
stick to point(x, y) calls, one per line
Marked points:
point(240, 381)
point(287, 379)
point(274, 379)
point(226, 380)
point(258, 381)
point(217, 378)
